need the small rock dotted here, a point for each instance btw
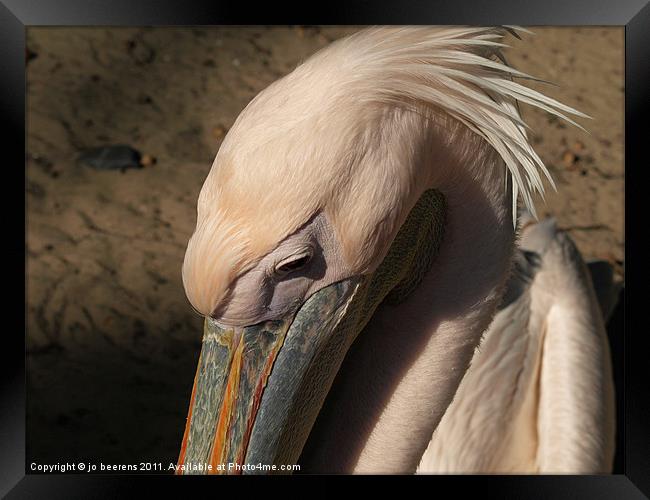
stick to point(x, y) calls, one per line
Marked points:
point(148, 160)
point(569, 159)
point(219, 132)
point(116, 157)
point(236, 62)
point(139, 51)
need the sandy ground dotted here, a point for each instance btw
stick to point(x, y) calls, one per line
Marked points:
point(112, 342)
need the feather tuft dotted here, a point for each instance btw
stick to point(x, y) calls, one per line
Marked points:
point(463, 72)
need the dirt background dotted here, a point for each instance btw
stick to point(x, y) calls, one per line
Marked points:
point(112, 343)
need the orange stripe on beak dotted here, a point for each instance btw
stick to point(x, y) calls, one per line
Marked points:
point(188, 420)
point(220, 445)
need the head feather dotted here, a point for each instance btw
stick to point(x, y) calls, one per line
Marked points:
point(326, 135)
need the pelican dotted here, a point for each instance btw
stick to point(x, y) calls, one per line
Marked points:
point(367, 306)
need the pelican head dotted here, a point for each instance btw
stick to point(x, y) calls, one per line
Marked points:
point(323, 202)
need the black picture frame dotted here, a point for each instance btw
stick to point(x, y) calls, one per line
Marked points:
point(16, 15)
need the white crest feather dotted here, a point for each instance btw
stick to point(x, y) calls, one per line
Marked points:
point(463, 72)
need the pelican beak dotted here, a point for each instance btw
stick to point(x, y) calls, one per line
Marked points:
point(247, 410)
point(258, 389)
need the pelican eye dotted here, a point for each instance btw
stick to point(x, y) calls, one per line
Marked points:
point(293, 263)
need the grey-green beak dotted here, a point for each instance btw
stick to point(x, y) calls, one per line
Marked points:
point(247, 411)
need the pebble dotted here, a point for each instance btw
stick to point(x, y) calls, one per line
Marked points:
point(140, 52)
point(569, 159)
point(116, 157)
point(219, 132)
point(148, 160)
